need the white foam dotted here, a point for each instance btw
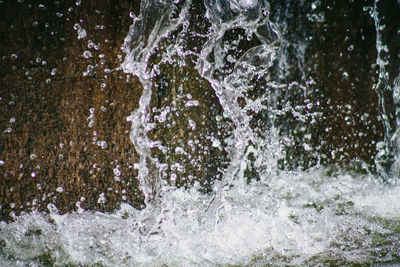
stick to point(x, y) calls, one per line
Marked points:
point(295, 219)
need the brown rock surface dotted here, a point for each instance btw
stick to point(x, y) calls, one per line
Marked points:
point(49, 152)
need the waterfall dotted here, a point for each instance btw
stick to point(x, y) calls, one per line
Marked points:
point(237, 50)
point(240, 152)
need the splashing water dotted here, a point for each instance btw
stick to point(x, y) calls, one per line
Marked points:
point(296, 219)
point(254, 212)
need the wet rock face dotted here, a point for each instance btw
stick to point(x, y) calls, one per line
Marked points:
point(64, 136)
point(189, 126)
point(335, 44)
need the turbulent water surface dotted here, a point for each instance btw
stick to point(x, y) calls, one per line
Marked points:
point(295, 218)
point(238, 180)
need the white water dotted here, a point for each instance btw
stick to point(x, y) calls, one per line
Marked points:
point(294, 218)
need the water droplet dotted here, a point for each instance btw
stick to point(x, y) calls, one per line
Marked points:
point(117, 172)
point(2, 162)
point(33, 174)
point(78, 3)
point(12, 120)
point(102, 199)
point(54, 71)
point(81, 31)
point(192, 124)
point(33, 156)
point(350, 48)
point(99, 27)
point(87, 54)
point(8, 130)
point(103, 144)
point(35, 24)
point(60, 189)
point(192, 103)
point(52, 208)
point(313, 5)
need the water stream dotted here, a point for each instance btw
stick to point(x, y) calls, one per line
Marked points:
point(238, 194)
